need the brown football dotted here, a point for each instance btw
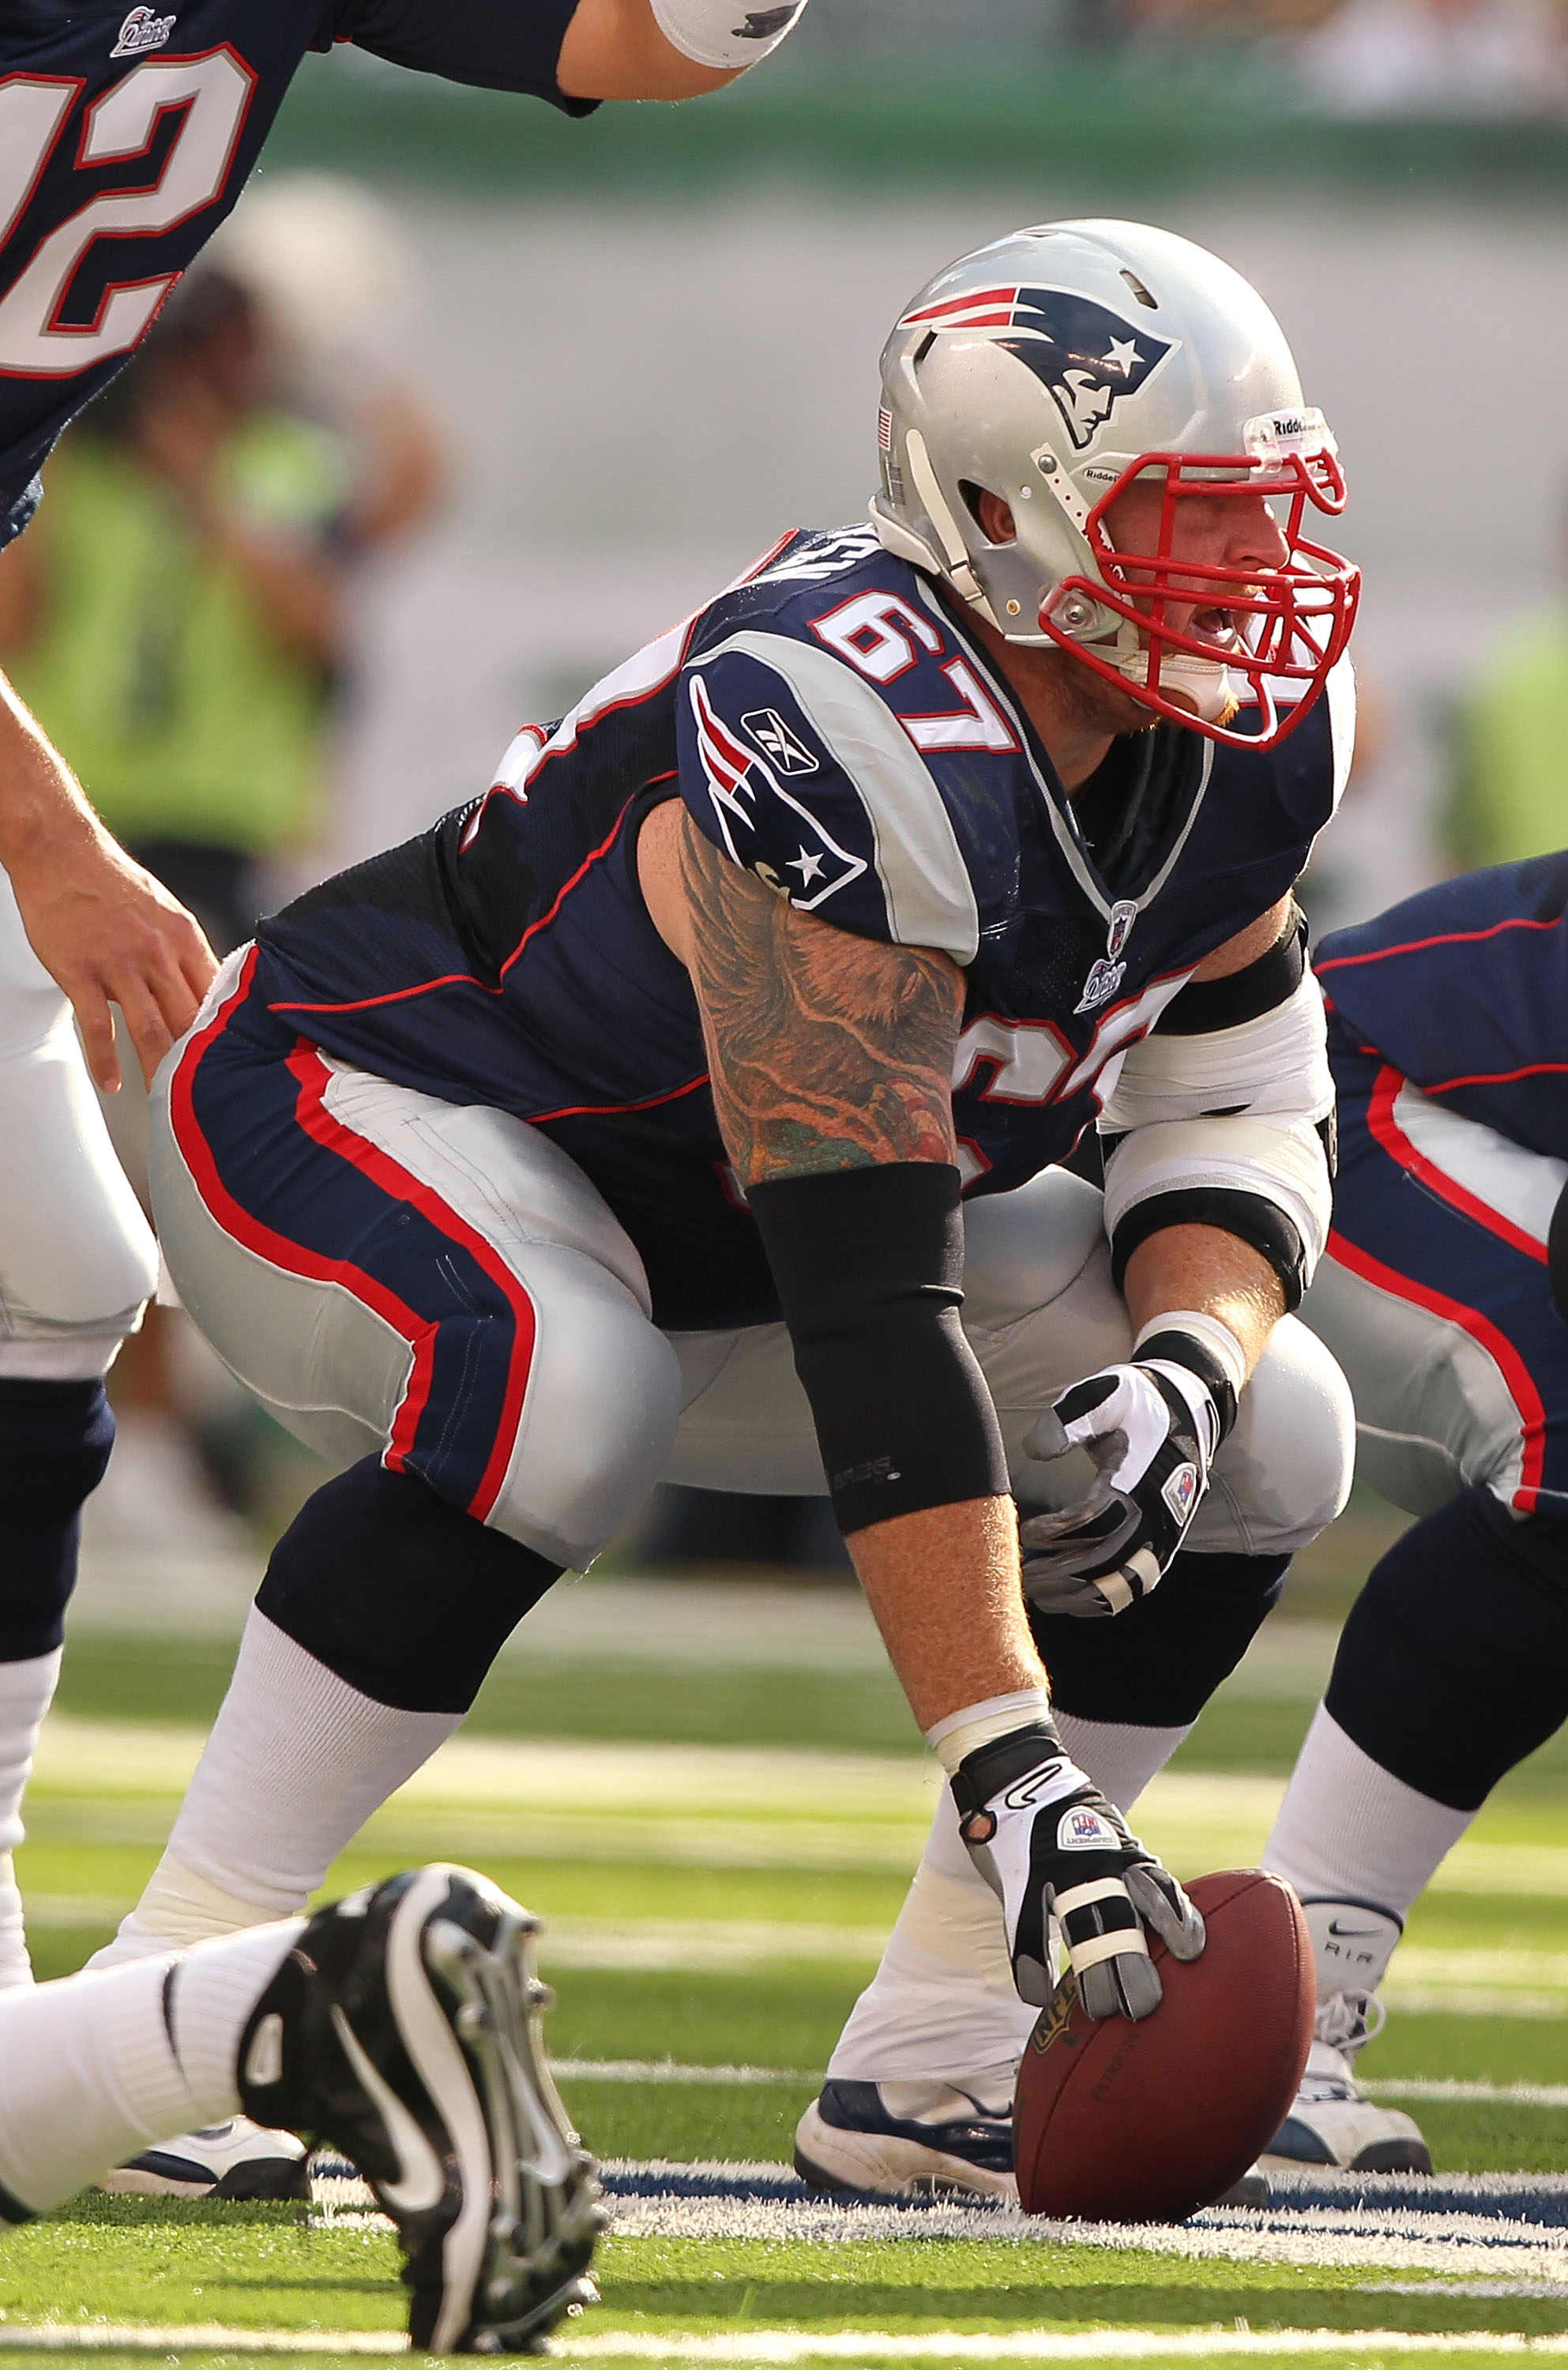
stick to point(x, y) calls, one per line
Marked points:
point(1145, 2122)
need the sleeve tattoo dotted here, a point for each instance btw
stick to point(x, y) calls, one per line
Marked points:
point(826, 1050)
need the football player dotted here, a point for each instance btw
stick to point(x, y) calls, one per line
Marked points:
point(1448, 1034)
point(400, 2024)
point(622, 1125)
point(1438, 1295)
point(125, 138)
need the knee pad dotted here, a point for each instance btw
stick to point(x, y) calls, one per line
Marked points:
point(1286, 1470)
point(398, 1594)
point(1453, 1665)
point(54, 1445)
point(1157, 1664)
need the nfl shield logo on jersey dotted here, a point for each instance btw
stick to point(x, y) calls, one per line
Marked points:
point(141, 31)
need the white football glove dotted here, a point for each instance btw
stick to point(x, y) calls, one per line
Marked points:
point(1046, 1840)
point(1152, 1430)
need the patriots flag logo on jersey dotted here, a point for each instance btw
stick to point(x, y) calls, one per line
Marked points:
point(737, 776)
point(1086, 357)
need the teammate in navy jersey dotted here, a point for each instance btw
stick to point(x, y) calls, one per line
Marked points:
point(620, 1125)
point(125, 137)
point(1449, 1035)
point(1437, 1295)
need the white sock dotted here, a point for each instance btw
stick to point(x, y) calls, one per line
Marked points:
point(177, 1910)
point(941, 2007)
point(1120, 1760)
point(99, 2067)
point(296, 1761)
point(27, 1690)
point(1349, 1831)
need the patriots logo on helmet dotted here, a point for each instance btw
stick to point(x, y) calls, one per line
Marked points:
point(1086, 358)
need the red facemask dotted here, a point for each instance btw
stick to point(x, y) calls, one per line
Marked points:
point(1292, 622)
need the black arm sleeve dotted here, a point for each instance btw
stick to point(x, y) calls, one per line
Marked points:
point(494, 44)
point(1206, 1003)
point(869, 1264)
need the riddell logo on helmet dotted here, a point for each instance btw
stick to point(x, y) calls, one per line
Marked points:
point(1086, 357)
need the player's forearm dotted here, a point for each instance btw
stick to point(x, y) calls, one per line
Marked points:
point(943, 1585)
point(1204, 1269)
point(44, 813)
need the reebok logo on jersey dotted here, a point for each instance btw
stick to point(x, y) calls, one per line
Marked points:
point(1088, 358)
point(784, 750)
point(141, 31)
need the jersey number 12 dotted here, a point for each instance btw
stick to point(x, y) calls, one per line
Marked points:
point(214, 92)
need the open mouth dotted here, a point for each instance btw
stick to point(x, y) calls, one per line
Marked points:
point(1217, 627)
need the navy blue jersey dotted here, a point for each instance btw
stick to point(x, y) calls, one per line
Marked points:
point(1464, 989)
point(127, 134)
point(831, 725)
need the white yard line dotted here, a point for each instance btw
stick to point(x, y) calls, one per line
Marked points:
point(664, 2069)
point(706, 1944)
point(785, 2347)
point(1507, 2094)
point(1460, 2245)
point(106, 2337)
point(958, 2347)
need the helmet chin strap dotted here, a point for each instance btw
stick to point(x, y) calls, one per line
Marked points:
point(1207, 684)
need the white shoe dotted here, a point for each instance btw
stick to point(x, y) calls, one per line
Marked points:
point(906, 2139)
point(237, 2159)
point(1334, 2123)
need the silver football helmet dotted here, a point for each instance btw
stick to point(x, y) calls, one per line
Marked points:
point(1055, 367)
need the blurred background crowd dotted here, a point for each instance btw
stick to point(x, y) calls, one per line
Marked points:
point(422, 448)
point(1351, 57)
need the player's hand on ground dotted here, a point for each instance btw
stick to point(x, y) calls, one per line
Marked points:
point(108, 933)
point(1151, 1430)
point(1047, 1841)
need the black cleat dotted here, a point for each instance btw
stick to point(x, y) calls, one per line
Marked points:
point(403, 2029)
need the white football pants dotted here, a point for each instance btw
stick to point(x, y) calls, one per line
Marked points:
point(610, 1404)
point(77, 1259)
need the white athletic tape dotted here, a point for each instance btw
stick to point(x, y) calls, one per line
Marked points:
point(1124, 1945)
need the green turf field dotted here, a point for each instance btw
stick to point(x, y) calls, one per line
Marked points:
point(718, 1852)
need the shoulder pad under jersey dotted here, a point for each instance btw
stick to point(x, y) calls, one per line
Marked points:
point(841, 738)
